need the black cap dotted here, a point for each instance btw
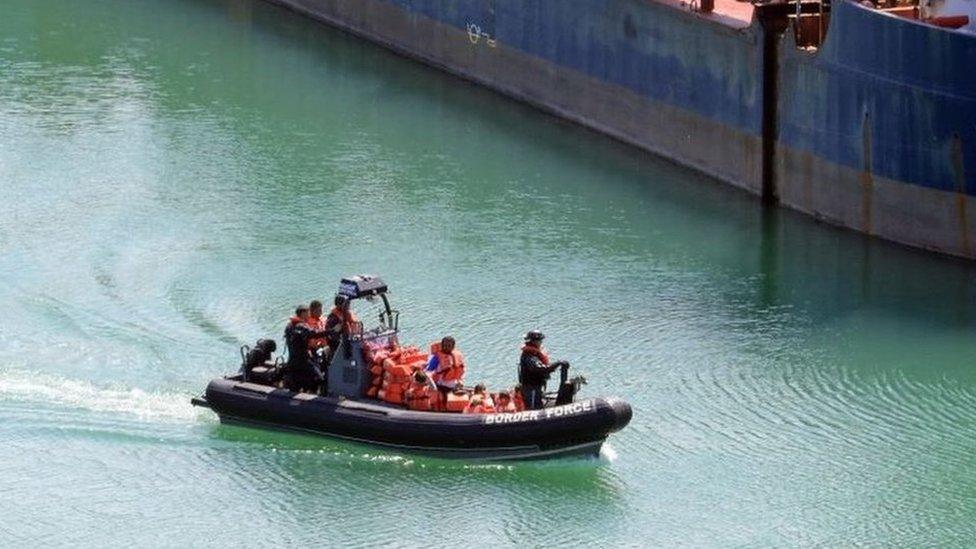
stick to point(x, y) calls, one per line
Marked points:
point(300, 308)
point(534, 335)
point(341, 300)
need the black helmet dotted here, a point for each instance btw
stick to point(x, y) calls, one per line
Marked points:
point(534, 335)
point(341, 300)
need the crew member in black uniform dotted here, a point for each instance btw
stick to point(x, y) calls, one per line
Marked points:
point(534, 370)
point(302, 373)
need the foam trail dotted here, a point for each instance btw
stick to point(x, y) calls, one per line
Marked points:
point(133, 402)
point(607, 453)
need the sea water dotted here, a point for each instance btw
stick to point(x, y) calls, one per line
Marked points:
point(177, 175)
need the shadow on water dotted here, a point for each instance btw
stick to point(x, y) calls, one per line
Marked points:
point(830, 272)
point(296, 471)
point(582, 468)
point(572, 475)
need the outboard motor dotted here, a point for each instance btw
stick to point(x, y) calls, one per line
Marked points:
point(257, 366)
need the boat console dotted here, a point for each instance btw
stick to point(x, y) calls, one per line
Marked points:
point(347, 373)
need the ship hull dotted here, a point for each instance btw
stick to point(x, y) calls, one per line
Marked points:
point(875, 132)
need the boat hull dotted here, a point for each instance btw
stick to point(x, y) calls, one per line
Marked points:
point(575, 429)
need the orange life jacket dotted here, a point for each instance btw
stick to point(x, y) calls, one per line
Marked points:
point(391, 395)
point(476, 409)
point(455, 402)
point(518, 401)
point(506, 408)
point(537, 352)
point(488, 403)
point(419, 396)
point(450, 366)
point(317, 324)
point(349, 320)
point(397, 374)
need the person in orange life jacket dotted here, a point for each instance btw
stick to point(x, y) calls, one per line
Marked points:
point(475, 406)
point(340, 323)
point(301, 374)
point(517, 398)
point(317, 346)
point(534, 370)
point(505, 404)
point(317, 323)
point(420, 392)
point(446, 365)
point(482, 391)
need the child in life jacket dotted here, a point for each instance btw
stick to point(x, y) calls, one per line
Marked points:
point(517, 398)
point(505, 404)
point(422, 395)
point(487, 402)
point(475, 406)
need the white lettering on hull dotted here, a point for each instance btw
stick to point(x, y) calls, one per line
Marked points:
point(576, 408)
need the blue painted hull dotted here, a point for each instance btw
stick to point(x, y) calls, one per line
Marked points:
point(877, 130)
point(874, 132)
point(914, 83)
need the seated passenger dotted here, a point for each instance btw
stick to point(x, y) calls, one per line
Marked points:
point(505, 404)
point(421, 394)
point(486, 399)
point(476, 406)
point(446, 365)
point(517, 398)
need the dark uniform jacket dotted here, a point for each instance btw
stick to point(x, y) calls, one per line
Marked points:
point(296, 338)
point(333, 329)
point(532, 371)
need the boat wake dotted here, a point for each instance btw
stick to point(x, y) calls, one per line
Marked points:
point(608, 454)
point(41, 390)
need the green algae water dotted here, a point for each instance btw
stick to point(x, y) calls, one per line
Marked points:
point(176, 175)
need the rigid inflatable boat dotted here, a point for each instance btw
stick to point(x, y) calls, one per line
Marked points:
point(565, 426)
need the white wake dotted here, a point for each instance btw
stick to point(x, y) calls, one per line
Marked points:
point(133, 402)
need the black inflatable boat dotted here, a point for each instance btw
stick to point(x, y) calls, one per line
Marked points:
point(252, 397)
point(579, 428)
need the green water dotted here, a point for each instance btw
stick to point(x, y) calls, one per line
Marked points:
point(176, 175)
